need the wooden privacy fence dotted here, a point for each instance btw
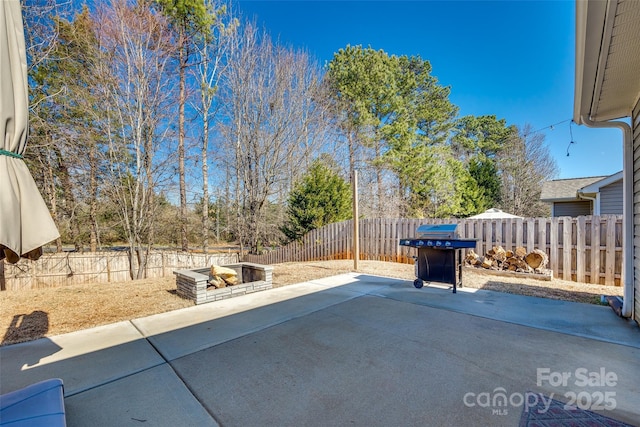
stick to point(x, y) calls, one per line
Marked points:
point(583, 249)
point(60, 269)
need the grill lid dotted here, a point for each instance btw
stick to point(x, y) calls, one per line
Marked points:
point(437, 231)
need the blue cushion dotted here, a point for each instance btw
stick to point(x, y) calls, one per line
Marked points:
point(40, 404)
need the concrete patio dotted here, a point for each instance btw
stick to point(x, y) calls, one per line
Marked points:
point(347, 350)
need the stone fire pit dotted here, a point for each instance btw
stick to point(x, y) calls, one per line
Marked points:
point(192, 284)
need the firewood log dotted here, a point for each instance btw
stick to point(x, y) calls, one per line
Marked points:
point(231, 280)
point(536, 259)
point(217, 281)
point(499, 254)
point(472, 257)
point(216, 270)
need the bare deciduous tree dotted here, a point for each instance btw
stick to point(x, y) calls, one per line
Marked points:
point(136, 48)
point(274, 120)
point(41, 37)
point(525, 163)
point(212, 49)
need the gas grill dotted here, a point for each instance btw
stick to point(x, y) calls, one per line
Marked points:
point(439, 256)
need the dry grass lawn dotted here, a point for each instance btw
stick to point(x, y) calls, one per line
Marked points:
point(32, 314)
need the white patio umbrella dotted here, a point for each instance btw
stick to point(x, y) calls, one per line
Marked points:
point(25, 222)
point(494, 213)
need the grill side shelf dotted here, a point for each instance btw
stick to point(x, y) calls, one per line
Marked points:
point(439, 243)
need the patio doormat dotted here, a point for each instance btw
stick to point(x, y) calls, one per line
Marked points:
point(559, 416)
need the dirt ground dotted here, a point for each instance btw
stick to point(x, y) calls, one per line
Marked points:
point(37, 313)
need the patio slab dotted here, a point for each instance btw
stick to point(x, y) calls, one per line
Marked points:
point(377, 361)
point(182, 332)
point(348, 350)
point(585, 320)
point(83, 359)
point(154, 397)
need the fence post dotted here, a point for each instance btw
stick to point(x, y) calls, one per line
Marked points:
point(508, 238)
point(609, 272)
point(595, 249)
point(164, 264)
point(519, 232)
point(567, 225)
point(580, 248)
point(531, 230)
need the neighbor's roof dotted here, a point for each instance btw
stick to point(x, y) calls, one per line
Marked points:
point(596, 186)
point(607, 59)
point(559, 190)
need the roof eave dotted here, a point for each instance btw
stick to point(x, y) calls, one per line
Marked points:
point(596, 186)
point(562, 199)
point(580, 53)
point(589, 30)
point(605, 50)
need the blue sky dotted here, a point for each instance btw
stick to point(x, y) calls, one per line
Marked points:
point(512, 59)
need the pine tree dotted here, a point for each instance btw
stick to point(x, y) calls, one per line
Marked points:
point(321, 197)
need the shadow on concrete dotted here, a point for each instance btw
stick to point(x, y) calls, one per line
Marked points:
point(542, 291)
point(25, 327)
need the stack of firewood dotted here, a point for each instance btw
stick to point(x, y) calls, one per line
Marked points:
point(518, 260)
point(223, 276)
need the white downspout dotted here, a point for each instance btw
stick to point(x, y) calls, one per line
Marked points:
point(627, 210)
point(595, 200)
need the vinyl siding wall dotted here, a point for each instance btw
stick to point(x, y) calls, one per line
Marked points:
point(576, 208)
point(611, 199)
point(635, 124)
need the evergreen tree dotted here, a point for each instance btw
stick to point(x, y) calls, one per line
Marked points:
point(321, 197)
point(478, 142)
point(485, 173)
point(395, 108)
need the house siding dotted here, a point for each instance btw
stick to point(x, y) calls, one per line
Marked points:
point(576, 208)
point(611, 200)
point(635, 123)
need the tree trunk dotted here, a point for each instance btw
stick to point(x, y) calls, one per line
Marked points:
point(133, 262)
point(380, 188)
point(53, 199)
point(205, 180)
point(352, 153)
point(69, 200)
point(149, 190)
point(143, 258)
point(93, 201)
point(181, 149)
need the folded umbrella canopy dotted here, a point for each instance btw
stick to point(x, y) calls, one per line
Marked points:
point(25, 222)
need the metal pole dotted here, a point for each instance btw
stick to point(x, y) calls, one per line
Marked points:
point(356, 236)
